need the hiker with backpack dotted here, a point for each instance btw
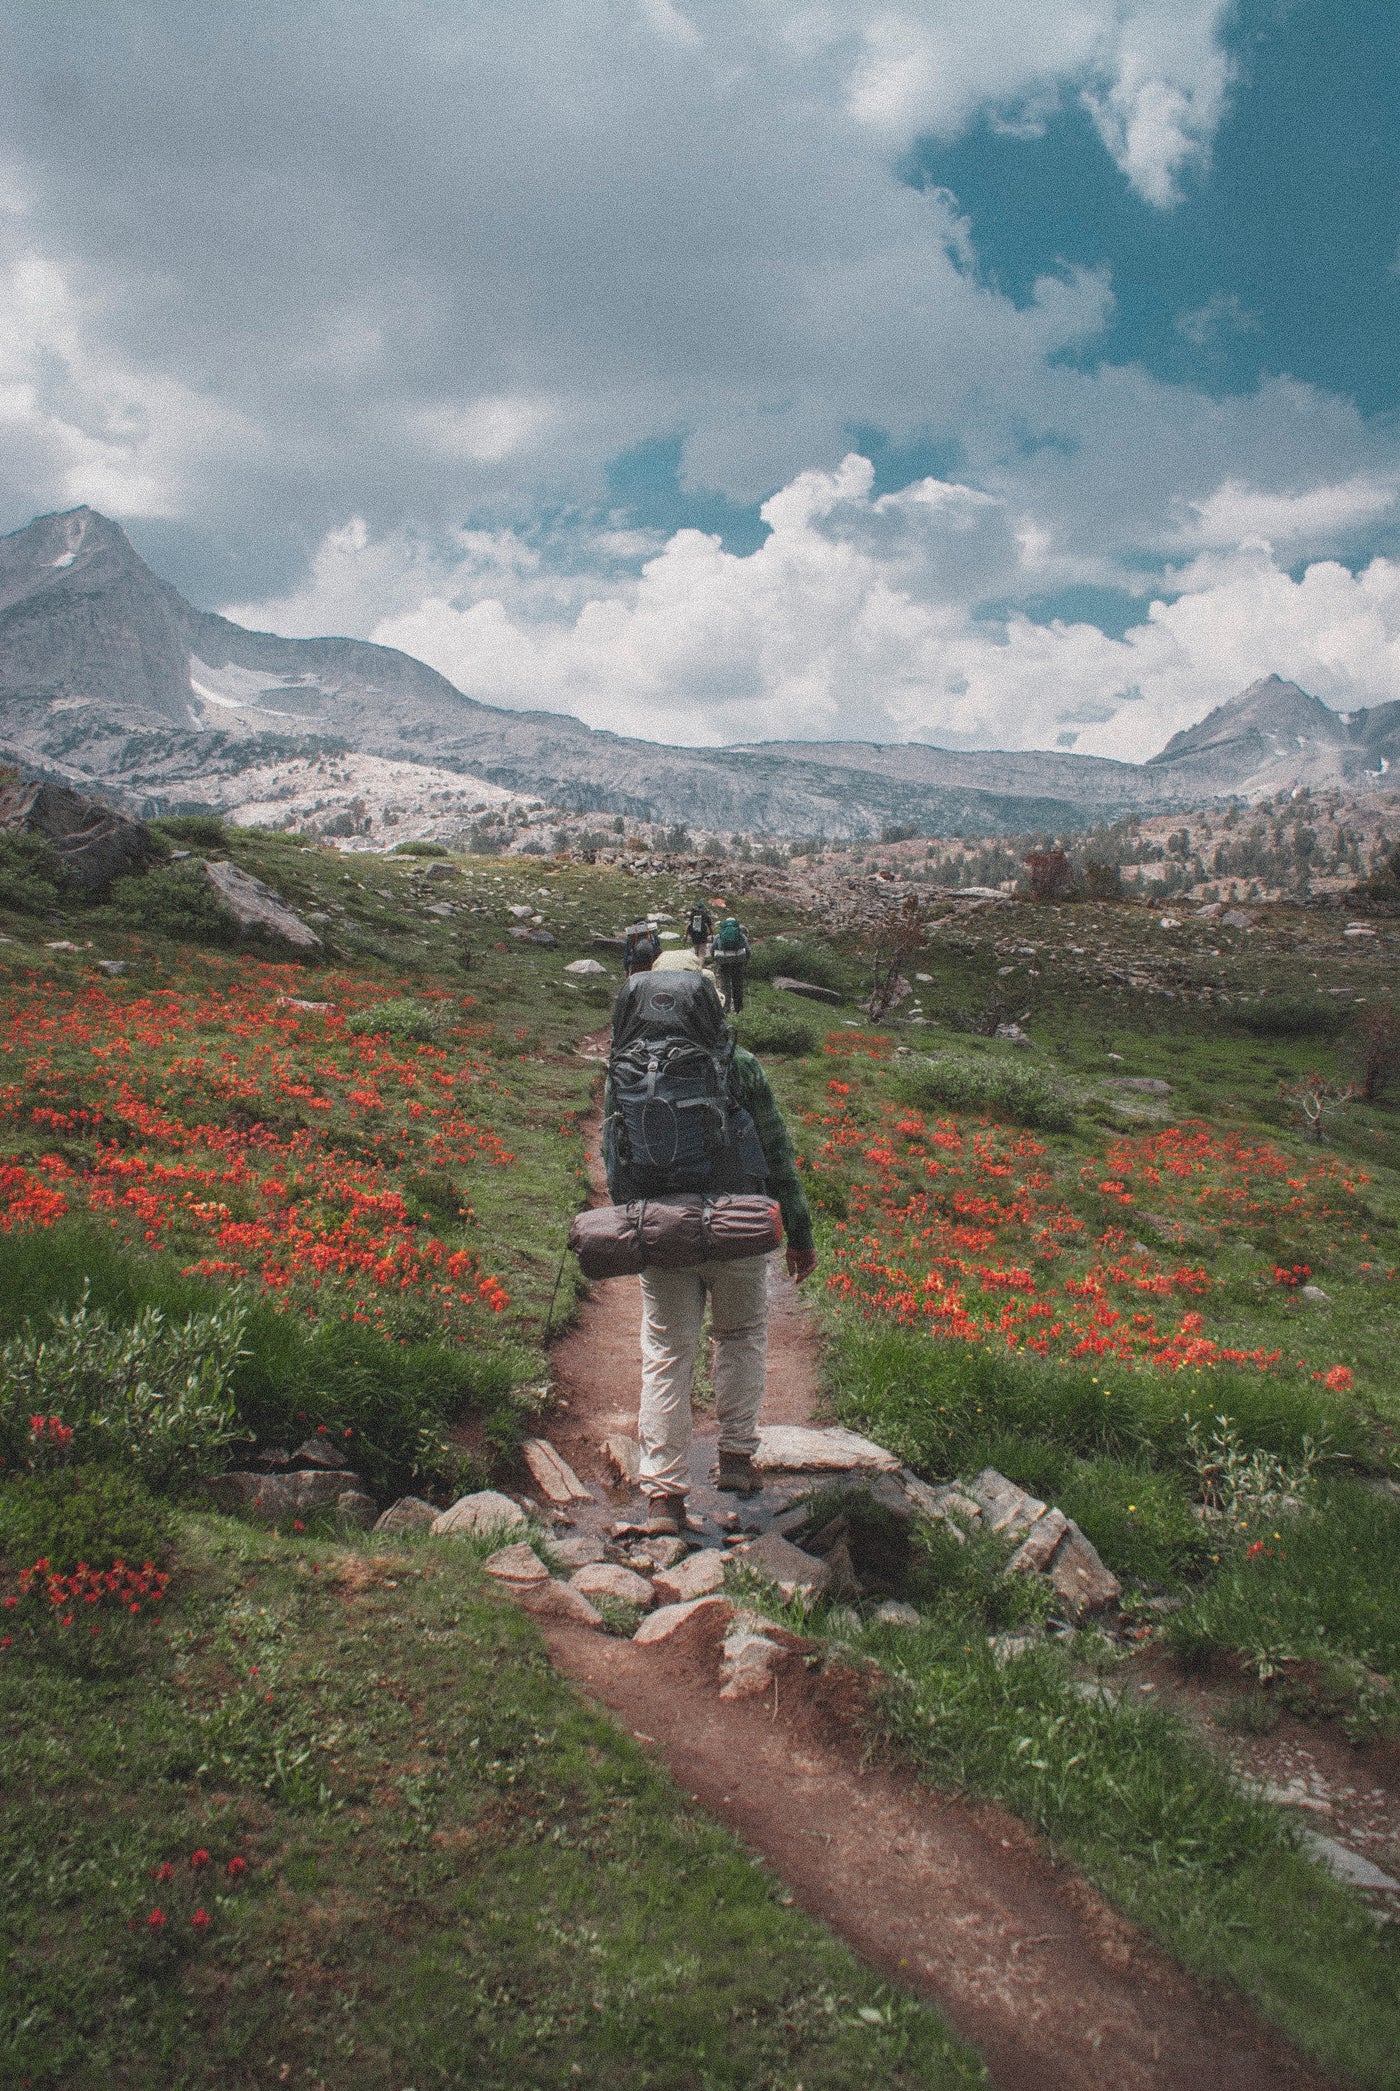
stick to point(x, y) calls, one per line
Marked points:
point(731, 958)
point(688, 1112)
point(641, 948)
point(699, 927)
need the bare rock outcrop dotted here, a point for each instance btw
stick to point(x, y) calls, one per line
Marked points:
point(93, 843)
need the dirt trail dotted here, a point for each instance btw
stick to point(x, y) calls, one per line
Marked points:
point(957, 1903)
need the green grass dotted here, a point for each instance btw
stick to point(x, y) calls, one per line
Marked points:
point(93, 1514)
point(455, 1872)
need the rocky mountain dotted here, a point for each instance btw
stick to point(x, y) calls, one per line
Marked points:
point(110, 679)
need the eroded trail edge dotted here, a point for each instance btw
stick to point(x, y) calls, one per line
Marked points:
point(959, 1903)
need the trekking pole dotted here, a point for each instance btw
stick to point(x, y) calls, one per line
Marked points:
point(558, 1278)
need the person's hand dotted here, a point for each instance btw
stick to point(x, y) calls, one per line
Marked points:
point(801, 1263)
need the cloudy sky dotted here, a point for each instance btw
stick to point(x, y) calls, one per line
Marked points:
point(732, 369)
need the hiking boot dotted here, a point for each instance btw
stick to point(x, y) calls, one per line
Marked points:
point(666, 1517)
point(738, 1476)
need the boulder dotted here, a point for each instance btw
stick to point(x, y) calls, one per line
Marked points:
point(748, 1664)
point(354, 1508)
point(1146, 1085)
point(579, 1553)
point(93, 844)
point(1081, 1581)
point(257, 910)
point(808, 989)
point(584, 965)
point(673, 1621)
point(658, 1550)
point(794, 1572)
point(112, 967)
point(608, 1579)
point(273, 1497)
point(787, 1448)
point(558, 1602)
point(894, 1612)
point(1033, 1554)
point(517, 1564)
point(320, 1452)
point(1005, 1507)
point(554, 1477)
point(486, 1511)
point(409, 1514)
point(696, 1576)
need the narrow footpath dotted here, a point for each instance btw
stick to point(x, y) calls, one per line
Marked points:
point(957, 1902)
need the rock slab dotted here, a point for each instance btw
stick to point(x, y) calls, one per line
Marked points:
point(273, 1497)
point(673, 1620)
point(409, 1514)
point(553, 1476)
point(485, 1511)
point(257, 910)
point(624, 1457)
point(807, 989)
point(609, 1579)
point(696, 1576)
point(93, 843)
point(517, 1564)
point(795, 1572)
point(791, 1448)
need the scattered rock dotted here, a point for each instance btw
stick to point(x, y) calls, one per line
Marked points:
point(485, 1511)
point(409, 1514)
point(894, 1612)
point(696, 1576)
point(673, 1620)
point(517, 1564)
point(1314, 1295)
point(301, 1002)
point(558, 1601)
point(584, 965)
point(1080, 1579)
point(535, 936)
point(1149, 1085)
point(273, 1497)
point(1345, 1864)
point(1032, 1556)
point(554, 1477)
point(1007, 1647)
point(794, 1448)
point(112, 967)
point(320, 1452)
point(748, 1664)
point(607, 1579)
point(1006, 1508)
point(1236, 918)
point(624, 1457)
point(578, 1553)
point(660, 1552)
point(794, 1571)
point(257, 910)
point(1014, 1035)
point(353, 1507)
point(520, 912)
point(946, 1500)
point(93, 844)
point(784, 986)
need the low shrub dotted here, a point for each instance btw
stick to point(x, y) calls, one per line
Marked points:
point(152, 1396)
point(1292, 1016)
point(798, 958)
point(92, 1514)
point(31, 878)
point(173, 900)
point(997, 1088)
point(192, 830)
point(401, 1017)
point(422, 848)
point(775, 1031)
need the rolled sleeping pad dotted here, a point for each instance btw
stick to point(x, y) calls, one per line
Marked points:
point(674, 1234)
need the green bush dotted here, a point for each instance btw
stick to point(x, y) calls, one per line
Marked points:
point(798, 958)
point(73, 1514)
point(153, 1396)
point(173, 900)
point(192, 830)
point(418, 1022)
point(31, 878)
point(1292, 1016)
point(420, 849)
point(993, 1087)
point(437, 1191)
point(775, 1031)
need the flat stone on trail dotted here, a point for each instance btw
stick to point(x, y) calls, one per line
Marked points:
point(558, 1601)
point(578, 1553)
point(658, 1551)
point(1079, 1576)
point(409, 1514)
point(485, 1511)
point(670, 1620)
point(624, 1457)
point(517, 1564)
point(1033, 1554)
point(554, 1477)
point(794, 1448)
point(608, 1579)
point(696, 1576)
point(786, 1565)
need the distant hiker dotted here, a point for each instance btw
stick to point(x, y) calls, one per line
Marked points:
point(641, 948)
point(686, 1110)
point(700, 928)
point(731, 958)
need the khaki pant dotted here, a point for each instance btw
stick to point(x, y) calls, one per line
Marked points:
point(673, 1307)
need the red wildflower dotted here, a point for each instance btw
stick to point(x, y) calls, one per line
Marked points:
point(199, 1859)
point(200, 1920)
point(156, 1920)
point(237, 1866)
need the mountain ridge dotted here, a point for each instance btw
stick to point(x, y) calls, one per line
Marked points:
point(110, 678)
